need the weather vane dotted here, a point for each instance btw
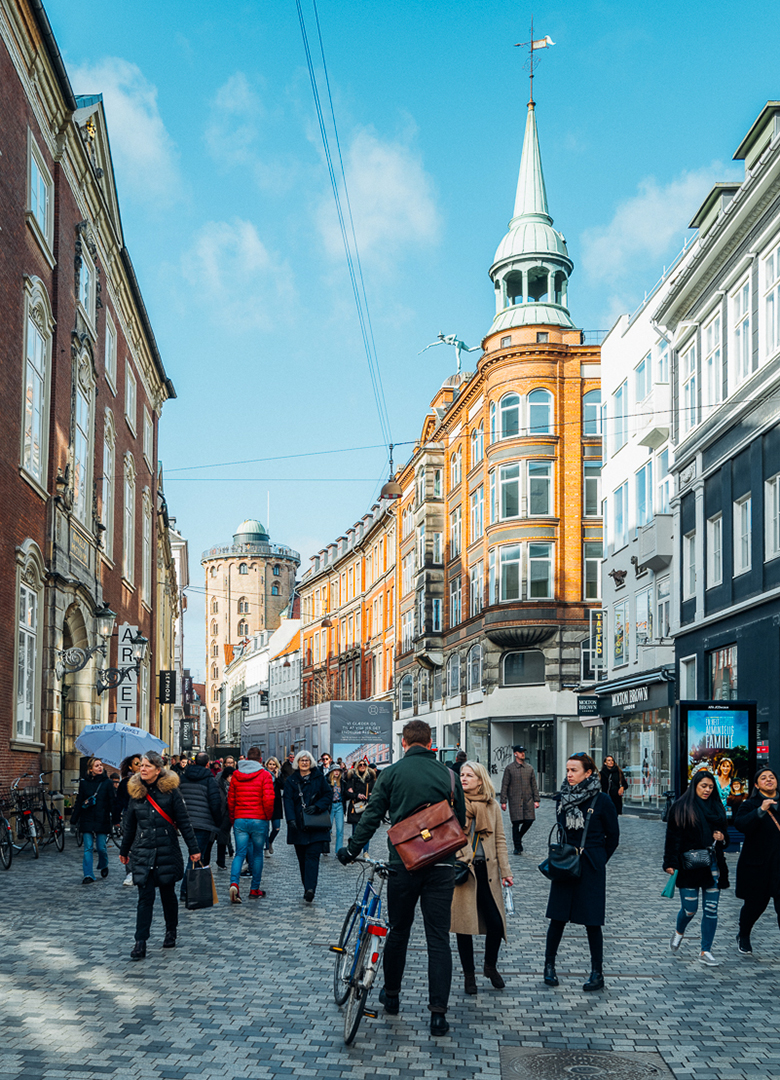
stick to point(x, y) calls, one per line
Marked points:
point(453, 340)
point(533, 62)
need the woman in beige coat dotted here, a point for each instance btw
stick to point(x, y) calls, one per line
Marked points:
point(478, 904)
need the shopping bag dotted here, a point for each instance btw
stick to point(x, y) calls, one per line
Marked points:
point(668, 889)
point(214, 897)
point(199, 886)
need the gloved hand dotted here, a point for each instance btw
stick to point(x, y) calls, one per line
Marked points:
point(344, 856)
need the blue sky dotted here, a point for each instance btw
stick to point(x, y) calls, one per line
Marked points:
point(231, 224)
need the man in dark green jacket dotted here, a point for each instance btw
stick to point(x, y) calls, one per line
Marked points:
point(414, 781)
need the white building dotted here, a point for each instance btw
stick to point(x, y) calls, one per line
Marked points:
point(246, 682)
point(180, 554)
point(284, 676)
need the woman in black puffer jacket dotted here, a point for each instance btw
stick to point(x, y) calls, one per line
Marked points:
point(92, 813)
point(150, 843)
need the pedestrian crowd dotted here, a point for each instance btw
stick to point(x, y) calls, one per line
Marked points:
point(238, 807)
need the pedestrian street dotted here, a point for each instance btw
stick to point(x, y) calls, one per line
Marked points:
point(248, 990)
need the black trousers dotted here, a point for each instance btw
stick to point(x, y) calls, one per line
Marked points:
point(433, 886)
point(519, 829)
point(752, 910)
point(170, 905)
point(494, 924)
point(222, 850)
point(595, 943)
point(309, 864)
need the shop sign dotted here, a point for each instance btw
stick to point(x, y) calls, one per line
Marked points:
point(587, 706)
point(167, 687)
point(629, 699)
point(597, 636)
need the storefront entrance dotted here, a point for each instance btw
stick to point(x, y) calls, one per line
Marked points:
point(538, 738)
point(641, 745)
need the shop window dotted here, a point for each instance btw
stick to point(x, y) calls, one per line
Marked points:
point(524, 668)
point(723, 673)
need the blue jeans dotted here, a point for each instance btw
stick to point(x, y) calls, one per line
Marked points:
point(99, 839)
point(250, 834)
point(337, 819)
point(709, 918)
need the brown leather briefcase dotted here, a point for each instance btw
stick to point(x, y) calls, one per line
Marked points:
point(429, 834)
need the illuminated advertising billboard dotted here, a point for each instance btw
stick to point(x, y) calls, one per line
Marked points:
point(720, 736)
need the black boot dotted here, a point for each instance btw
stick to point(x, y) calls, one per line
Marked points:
point(439, 1025)
point(491, 972)
point(595, 981)
point(550, 978)
point(169, 941)
point(470, 983)
point(139, 951)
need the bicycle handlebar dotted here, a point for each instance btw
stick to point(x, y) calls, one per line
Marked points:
point(382, 867)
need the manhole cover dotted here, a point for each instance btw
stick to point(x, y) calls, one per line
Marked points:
point(529, 1063)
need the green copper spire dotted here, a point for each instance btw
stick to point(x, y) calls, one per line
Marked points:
point(531, 198)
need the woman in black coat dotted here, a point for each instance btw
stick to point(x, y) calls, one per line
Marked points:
point(582, 900)
point(613, 783)
point(129, 767)
point(224, 843)
point(358, 785)
point(150, 843)
point(306, 791)
point(758, 869)
point(92, 813)
point(697, 831)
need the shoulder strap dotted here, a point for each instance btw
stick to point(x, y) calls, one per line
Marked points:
point(161, 812)
point(452, 786)
point(588, 817)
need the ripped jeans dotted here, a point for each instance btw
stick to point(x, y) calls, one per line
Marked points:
point(709, 918)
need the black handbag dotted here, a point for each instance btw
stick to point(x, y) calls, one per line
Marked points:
point(311, 818)
point(462, 868)
point(563, 861)
point(698, 858)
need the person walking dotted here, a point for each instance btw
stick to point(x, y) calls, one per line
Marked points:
point(582, 900)
point(307, 792)
point(127, 769)
point(275, 770)
point(613, 783)
point(459, 762)
point(758, 867)
point(202, 798)
point(359, 783)
point(414, 781)
point(696, 837)
point(150, 845)
point(288, 765)
point(92, 813)
point(520, 792)
point(224, 843)
point(251, 807)
point(478, 903)
point(334, 777)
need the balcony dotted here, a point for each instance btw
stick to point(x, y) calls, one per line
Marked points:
point(656, 543)
point(272, 551)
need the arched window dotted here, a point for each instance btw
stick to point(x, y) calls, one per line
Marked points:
point(214, 628)
point(523, 668)
point(477, 444)
point(453, 675)
point(213, 571)
point(591, 413)
point(456, 470)
point(214, 671)
point(277, 571)
point(493, 428)
point(421, 485)
point(214, 648)
point(539, 412)
point(274, 590)
point(242, 569)
point(39, 327)
point(243, 629)
point(509, 410)
point(243, 606)
point(474, 667)
point(407, 692)
point(214, 606)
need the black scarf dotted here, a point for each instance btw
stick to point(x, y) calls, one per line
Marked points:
point(712, 817)
point(571, 798)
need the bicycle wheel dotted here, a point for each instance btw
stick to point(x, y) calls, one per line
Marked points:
point(358, 994)
point(40, 828)
point(343, 965)
point(6, 844)
point(59, 832)
point(32, 832)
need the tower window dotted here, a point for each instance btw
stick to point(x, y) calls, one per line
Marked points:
point(274, 590)
point(542, 336)
point(506, 341)
point(277, 571)
point(242, 569)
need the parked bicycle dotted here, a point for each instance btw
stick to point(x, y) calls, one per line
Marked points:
point(6, 832)
point(53, 831)
point(360, 947)
point(28, 826)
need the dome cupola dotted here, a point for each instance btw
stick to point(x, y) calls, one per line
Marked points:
point(250, 532)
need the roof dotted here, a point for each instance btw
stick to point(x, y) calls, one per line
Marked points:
point(756, 130)
point(293, 646)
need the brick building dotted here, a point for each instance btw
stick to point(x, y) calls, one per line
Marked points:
point(83, 386)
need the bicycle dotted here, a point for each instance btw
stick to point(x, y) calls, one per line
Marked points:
point(52, 817)
point(360, 946)
point(28, 827)
point(6, 832)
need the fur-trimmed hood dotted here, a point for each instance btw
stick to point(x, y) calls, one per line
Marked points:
point(166, 781)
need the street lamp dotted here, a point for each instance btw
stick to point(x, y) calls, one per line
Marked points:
point(392, 489)
point(110, 678)
point(75, 659)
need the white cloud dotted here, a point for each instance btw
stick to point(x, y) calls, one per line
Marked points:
point(143, 152)
point(233, 125)
point(392, 197)
point(243, 284)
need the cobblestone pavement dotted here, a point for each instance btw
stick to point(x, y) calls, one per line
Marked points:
point(248, 990)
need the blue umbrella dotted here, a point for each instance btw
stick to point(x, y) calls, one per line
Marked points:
point(112, 743)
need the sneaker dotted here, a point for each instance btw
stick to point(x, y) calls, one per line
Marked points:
point(308, 896)
point(128, 880)
point(255, 894)
point(234, 897)
point(744, 946)
point(104, 872)
point(246, 873)
point(708, 959)
point(87, 880)
point(676, 941)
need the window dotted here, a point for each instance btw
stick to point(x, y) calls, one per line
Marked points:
point(456, 469)
point(37, 364)
point(620, 638)
point(540, 580)
point(644, 495)
point(772, 302)
point(243, 606)
point(604, 429)
point(476, 588)
point(539, 488)
point(214, 628)
point(772, 517)
point(621, 417)
point(438, 545)
point(505, 342)
point(664, 482)
point(436, 616)
point(277, 571)
point(510, 572)
point(455, 532)
point(509, 413)
point(421, 611)
point(437, 681)
point(539, 412)
point(82, 442)
point(27, 662)
point(243, 629)
point(456, 611)
point(688, 689)
point(420, 485)
point(689, 566)
point(243, 568)
point(592, 553)
point(453, 675)
point(146, 549)
point(723, 673)
point(743, 531)
point(592, 501)
point(214, 606)
point(214, 671)
point(128, 543)
point(509, 485)
point(620, 516)
point(274, 590)
point(591, 413)
point(712, 368)
point(740, 309)
point(689, 404)
point(148, 439)
point(477, 500)
point(663, 362)
point(524, 668)
point(714, 551)
point(407, 692)
point(109, 468)
point(493, 498)
point(87, 277)
point(477, 444)
point(109, 360)
point(40, 195)
point(542, 337)
point(407, 565)
point(437, 483)
point(643, 377)
point(663, 591)
point(406, 630)
point(644, 620)
point(131, 398)
point(474, 668)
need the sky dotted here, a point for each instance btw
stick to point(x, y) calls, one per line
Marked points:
point(230, 220)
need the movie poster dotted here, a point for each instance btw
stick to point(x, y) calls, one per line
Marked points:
point(719, 740)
